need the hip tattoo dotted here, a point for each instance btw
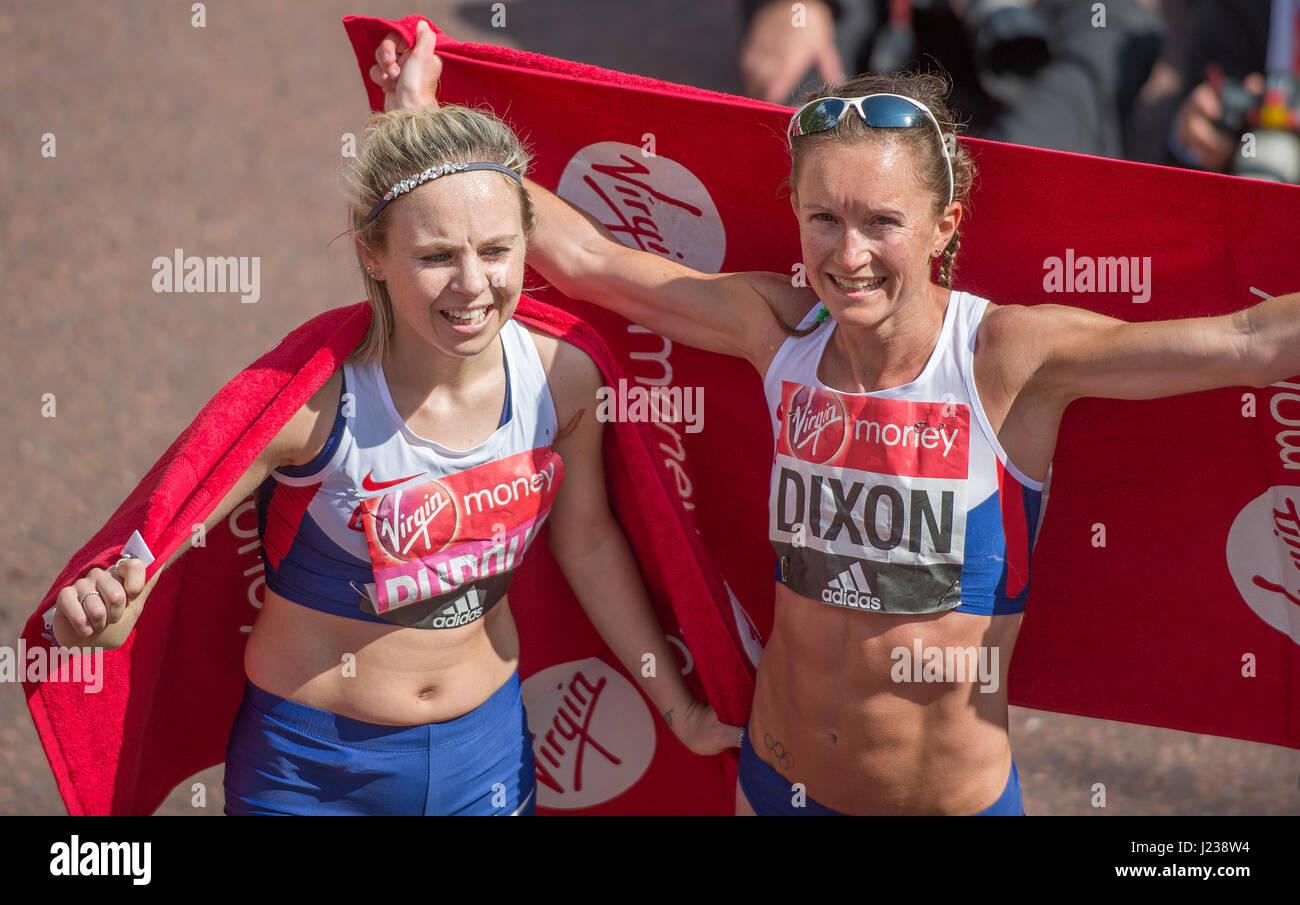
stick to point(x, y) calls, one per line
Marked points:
point(778, 750)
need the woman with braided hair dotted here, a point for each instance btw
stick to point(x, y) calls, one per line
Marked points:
point(914, 429)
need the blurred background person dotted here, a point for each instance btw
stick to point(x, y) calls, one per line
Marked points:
point(1235, 104)
point(1060, 74)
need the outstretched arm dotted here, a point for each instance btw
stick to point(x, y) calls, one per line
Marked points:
point(1080, 353)
point(719, 312)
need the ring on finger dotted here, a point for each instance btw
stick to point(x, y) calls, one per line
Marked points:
point(89, 594)
point(115, 569)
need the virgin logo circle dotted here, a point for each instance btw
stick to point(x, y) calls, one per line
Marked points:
point(593, 736)
point(815, 424)
point(416, 522)
point(651, 203)
point(1264, 557)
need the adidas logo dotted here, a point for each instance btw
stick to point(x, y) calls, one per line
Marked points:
point(462, 612)
point(850, 588)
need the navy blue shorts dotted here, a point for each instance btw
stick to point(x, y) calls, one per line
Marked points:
point(288, 758)
point(770, 793)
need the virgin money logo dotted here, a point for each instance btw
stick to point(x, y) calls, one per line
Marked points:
point(815, 424)
point(651, 203)
point(1264, 557)
point(414, 523)
point(593, 736)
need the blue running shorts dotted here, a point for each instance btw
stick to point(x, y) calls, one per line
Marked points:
point(288, 758)
point(770, 795)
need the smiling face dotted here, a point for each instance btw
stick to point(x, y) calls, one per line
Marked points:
point(453, 261)
point(868, 228)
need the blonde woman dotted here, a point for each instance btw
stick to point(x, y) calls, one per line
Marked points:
point(445, 395)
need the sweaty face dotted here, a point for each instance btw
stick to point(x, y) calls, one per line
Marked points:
point(867, 227)
point(454, 260)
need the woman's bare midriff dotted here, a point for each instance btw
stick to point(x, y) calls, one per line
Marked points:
point(396, 676)
point(829, 714)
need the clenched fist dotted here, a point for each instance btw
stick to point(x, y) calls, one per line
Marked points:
point(90, 605)
point(408, 75)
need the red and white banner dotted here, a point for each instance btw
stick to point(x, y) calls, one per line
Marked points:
point(1166, 579)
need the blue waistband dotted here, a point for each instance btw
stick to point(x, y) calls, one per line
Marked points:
point(332, 727)
point(768, 792)
point(771, 794)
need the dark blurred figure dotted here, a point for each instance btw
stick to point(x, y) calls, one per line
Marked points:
point(1236, 104)
point(1053, 74)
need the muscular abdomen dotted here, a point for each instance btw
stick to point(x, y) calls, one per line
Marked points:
point(843, 706)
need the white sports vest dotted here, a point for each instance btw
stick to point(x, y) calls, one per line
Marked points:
point(901, 500)
point(430, 534)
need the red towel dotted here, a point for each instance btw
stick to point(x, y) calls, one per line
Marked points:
point(1166, 578)
point(170, 694)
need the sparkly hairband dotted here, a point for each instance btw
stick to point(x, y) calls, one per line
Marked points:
point(433, 173)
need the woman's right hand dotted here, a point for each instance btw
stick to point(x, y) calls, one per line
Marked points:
point(107, 618)
point(409, 76)
point(91, 604)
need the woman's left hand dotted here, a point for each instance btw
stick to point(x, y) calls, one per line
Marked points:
point(700, 729)
point(409, 76)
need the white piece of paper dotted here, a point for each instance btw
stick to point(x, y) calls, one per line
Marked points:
point(137, 548)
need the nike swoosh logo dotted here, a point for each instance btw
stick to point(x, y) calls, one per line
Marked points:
point(368, 482)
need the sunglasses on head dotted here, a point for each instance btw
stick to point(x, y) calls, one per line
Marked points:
point(880, 111)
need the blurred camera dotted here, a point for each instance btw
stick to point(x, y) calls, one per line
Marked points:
point(1008, 41)
point(1271, 118)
